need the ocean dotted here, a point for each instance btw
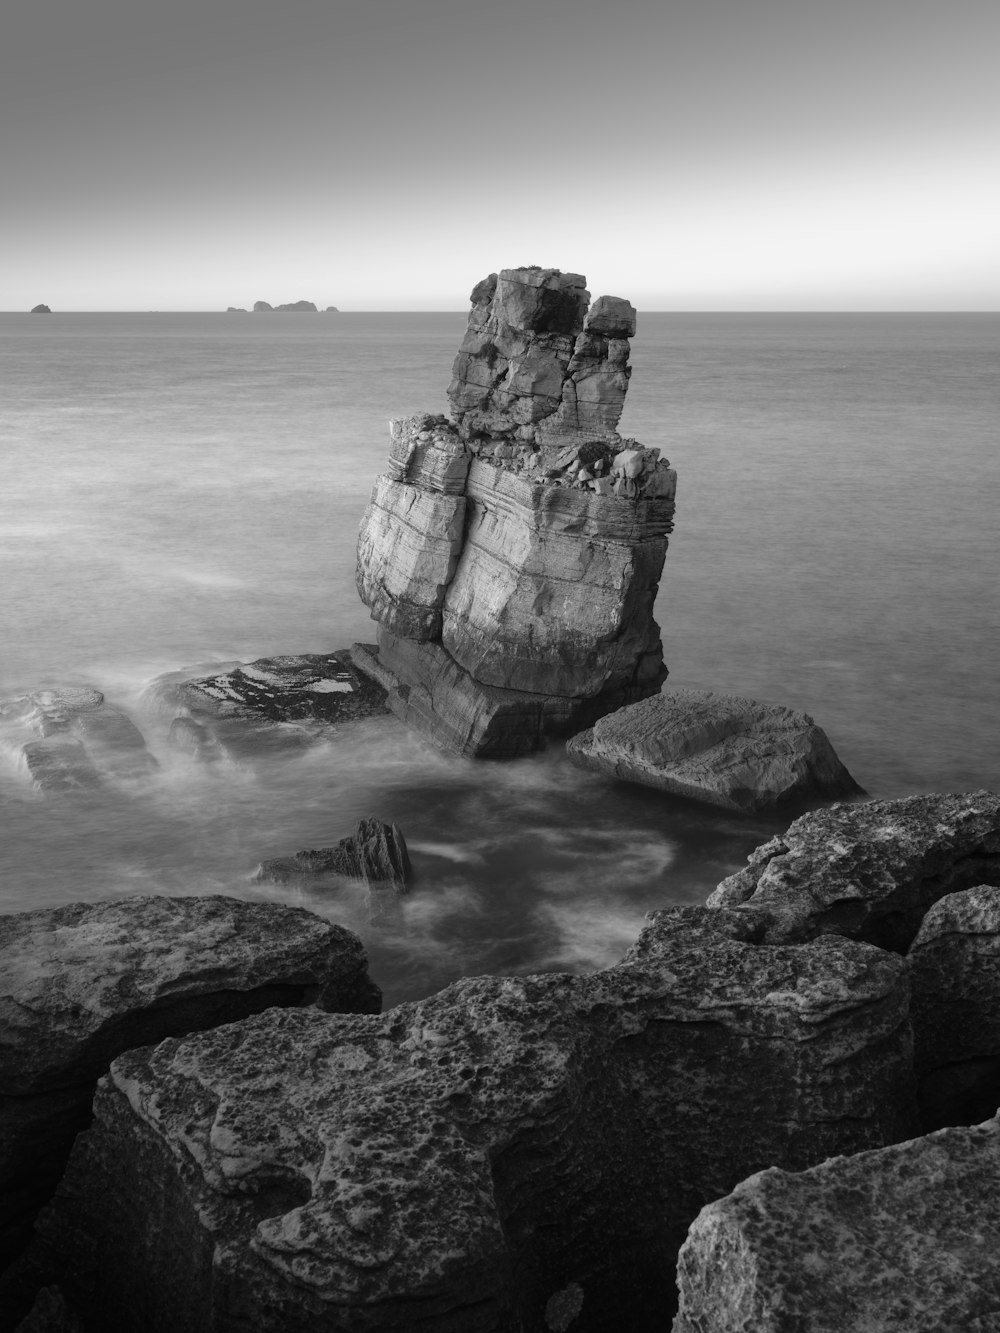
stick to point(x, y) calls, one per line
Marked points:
point(186, 488)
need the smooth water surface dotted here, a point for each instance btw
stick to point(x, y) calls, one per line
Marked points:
point(180, 489)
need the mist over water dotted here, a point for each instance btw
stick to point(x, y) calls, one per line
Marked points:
point(187, 488)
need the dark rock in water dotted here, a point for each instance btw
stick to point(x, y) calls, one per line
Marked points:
point(81, 983)
point(295, 307)
point(508, 1147)
point(40, 310)
point(271, 704)
point(733, 752)
point(519, 546)
point(374, 852)
point(869, 871)
point(905, 1238)
point(262, 306)
point(236, 310)
point(70, 738)
point(332, 310)
point(954, 966)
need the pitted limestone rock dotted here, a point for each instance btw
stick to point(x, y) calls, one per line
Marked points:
point(465, 1162)
point(871, 870)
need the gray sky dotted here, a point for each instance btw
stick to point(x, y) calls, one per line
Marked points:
point(386, 154)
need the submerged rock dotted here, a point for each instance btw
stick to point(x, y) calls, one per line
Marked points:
point(517, 548)
point(904, 1238)
point(954, 966)
point(81, 983)
point(274, 703)
point(725, 750)
point(871, 870)
point(69, 738)
point(507, 1148)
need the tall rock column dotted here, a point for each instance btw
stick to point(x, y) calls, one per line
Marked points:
point(511, 555)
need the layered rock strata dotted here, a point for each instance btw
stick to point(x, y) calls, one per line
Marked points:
point(511, 554)
point(871, 870)
point(725, 750)
point(271, 704)
point(68, 738)
point(81, 983)
point(954, 966)
point(906, 1238)
point(509, 1153)
point(374, 853)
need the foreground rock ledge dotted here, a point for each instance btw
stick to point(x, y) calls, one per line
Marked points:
point(904, 1239)
point(79, 984)
point(725, 750)
point(869, 871)
point(507, 1147)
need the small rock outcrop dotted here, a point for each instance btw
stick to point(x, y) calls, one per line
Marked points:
point(70, 738)
point(262, 307)
point(511, 554)
point(954, 966)
point(869, 871)
point(40, 310)
point(290, 307)
point(272, 704)
point(508, 1150)
point(374, 853)
point(906, 1238)
point(332, 310)
point(236, 310)
point(80, 984)
point(725, 750)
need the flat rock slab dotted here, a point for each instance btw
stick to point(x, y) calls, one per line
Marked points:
point(494, 1158)
point(79, 984)
point(904, 1239)
point(721, 749)
point(869, 870)
point(274, 703)
point(70, 738)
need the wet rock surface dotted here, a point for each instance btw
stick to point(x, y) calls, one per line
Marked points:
point(518, 546)
point(69, 738)
point(906, 1238)
point(725, 750)
point(272, 704)
point(954, 966)
point(870, 870)
point(510, 1152)
point(83, 982)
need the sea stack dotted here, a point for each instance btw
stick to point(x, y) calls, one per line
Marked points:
point(511, 552)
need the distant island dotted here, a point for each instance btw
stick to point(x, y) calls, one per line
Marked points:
point(292, 307)
point(40, 310)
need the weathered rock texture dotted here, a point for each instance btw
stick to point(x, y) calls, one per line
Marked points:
point(902, 1240)
point(69, 738)
point(375, 853)
point(869, 871)
point(511, 555)
point(81, 983)
point(738, 753)
point(954, 966)
point(497, 1157)
point(272, 704)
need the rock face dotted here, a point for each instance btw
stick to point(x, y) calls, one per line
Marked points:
point(511, 1153)
point(40, 310)
point(511, 555)
point(374, 853)
point(954, 966)
point(722, 749)
point(274, 703)
point(70, 738)
point(262, 307)
point(869, 871)
point(81, 983)
point(293, 307)
point(906, 1238)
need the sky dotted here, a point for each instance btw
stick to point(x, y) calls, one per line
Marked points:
point(387, 154)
